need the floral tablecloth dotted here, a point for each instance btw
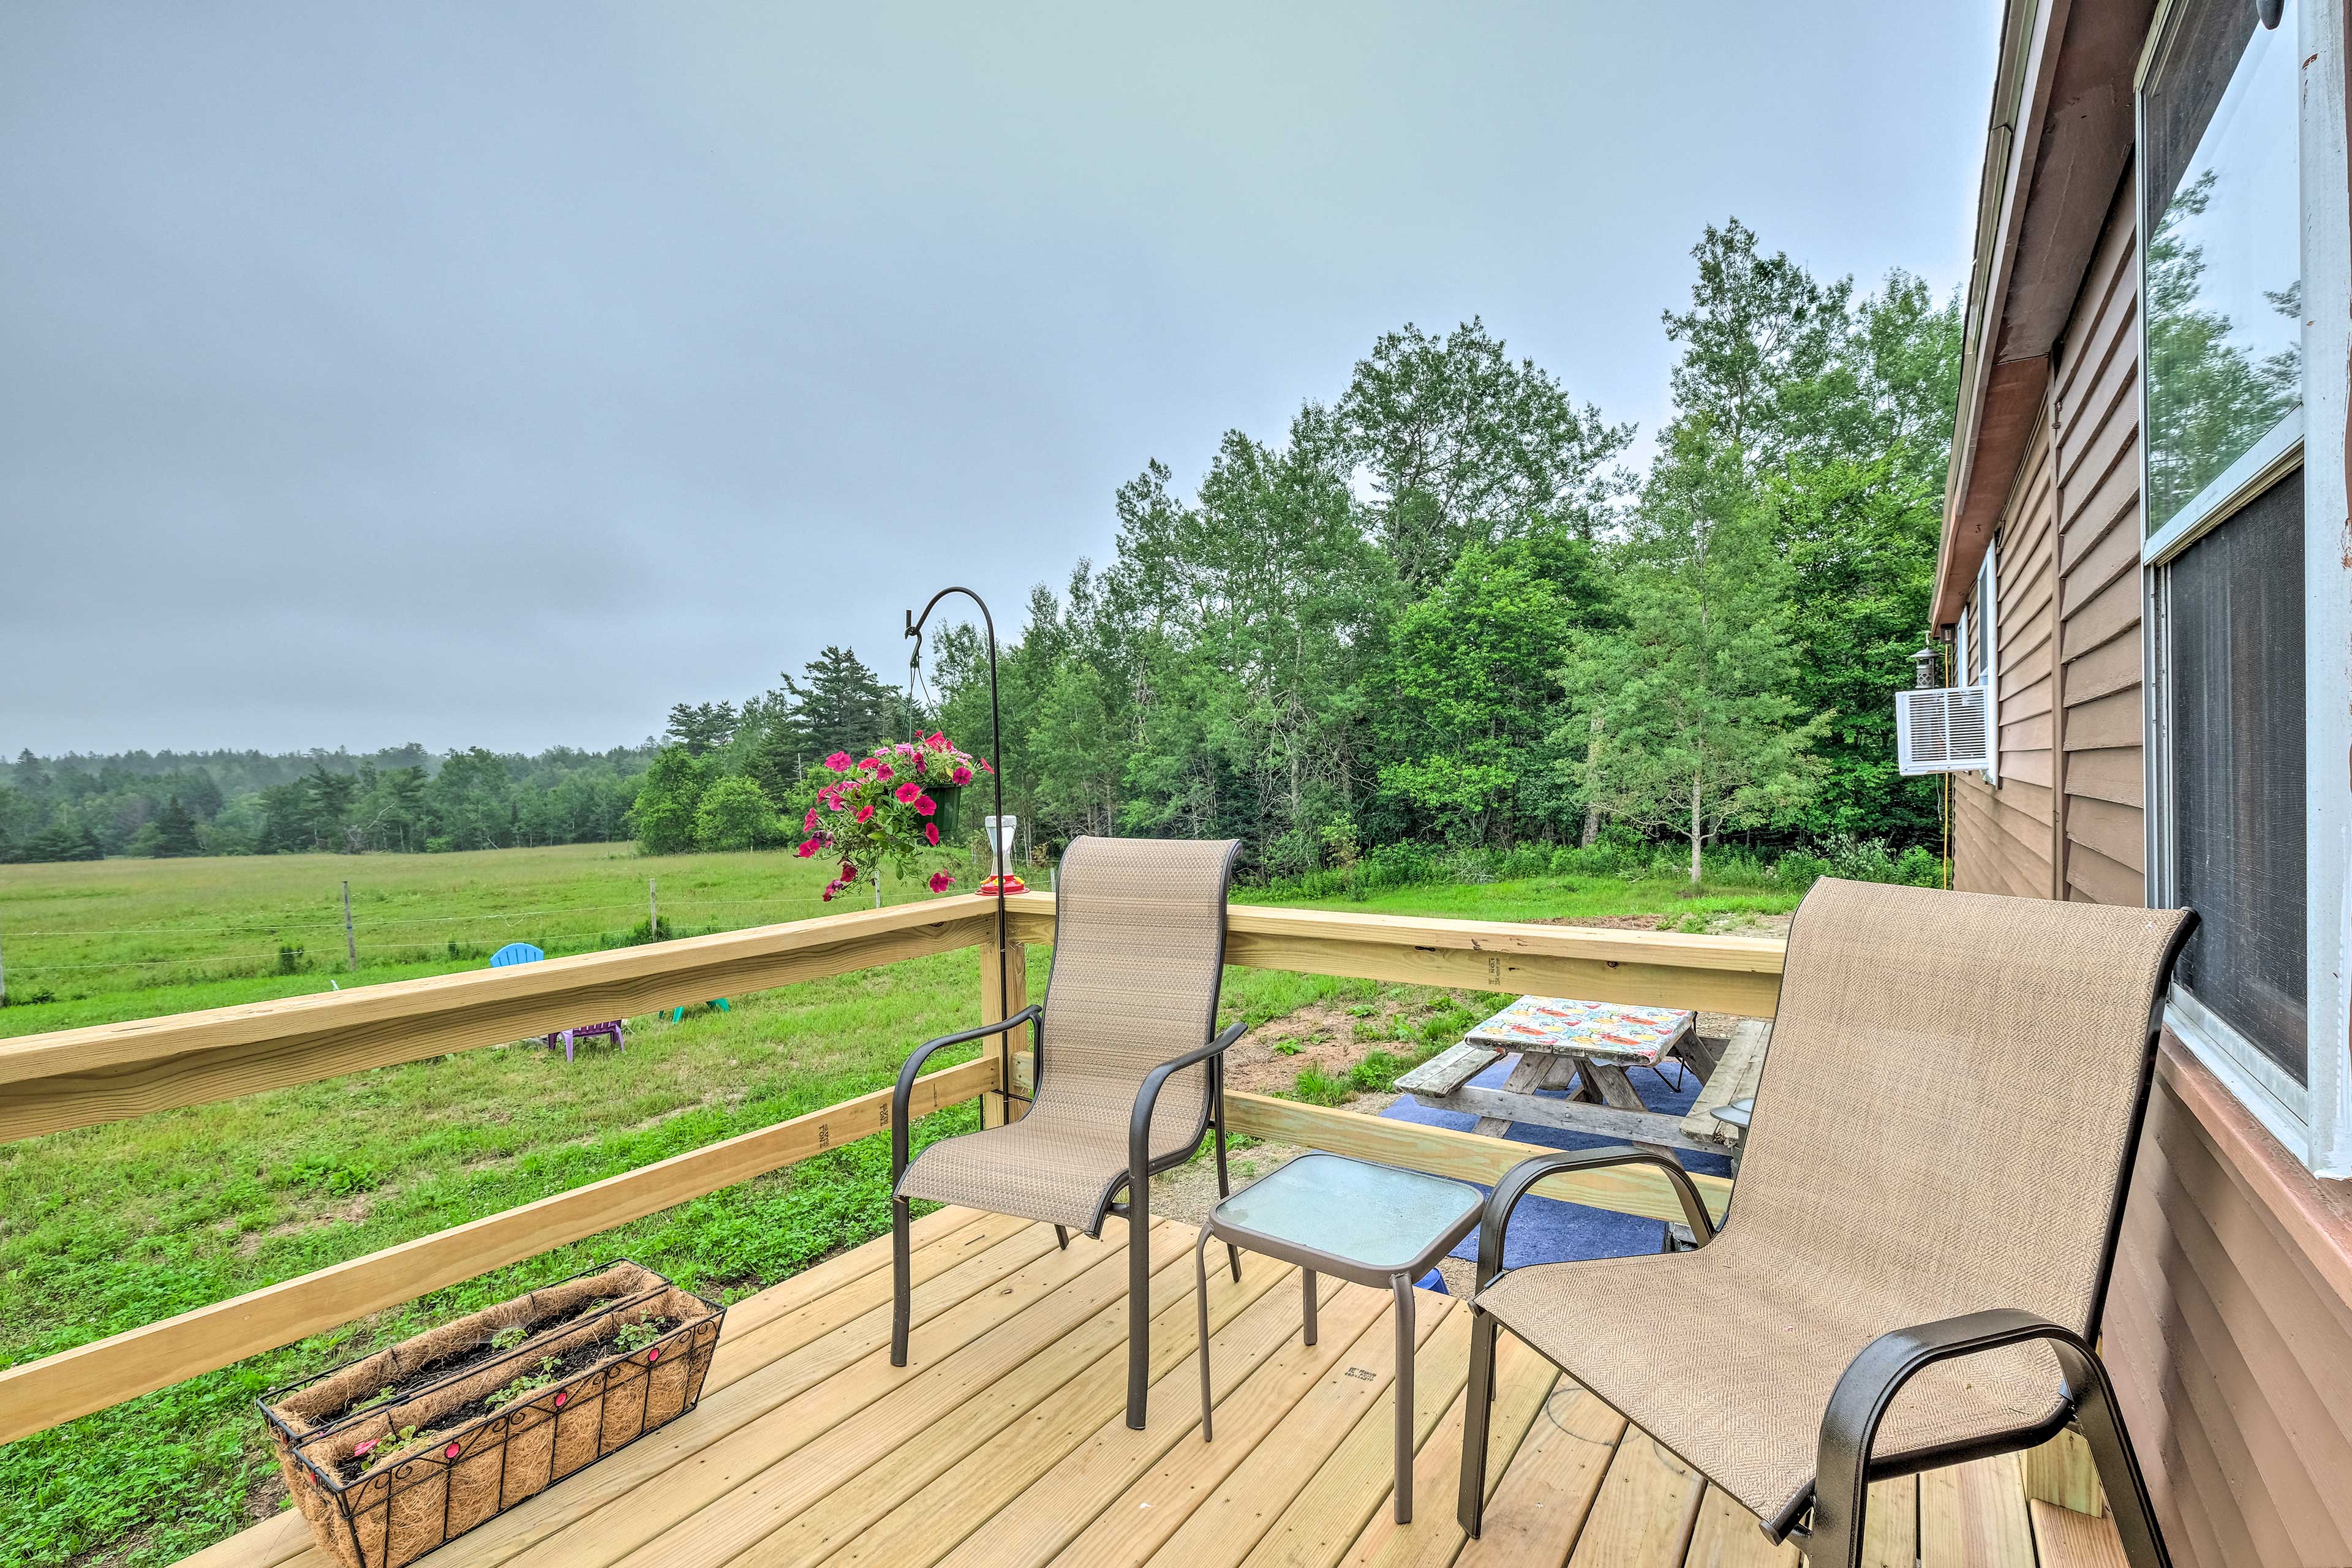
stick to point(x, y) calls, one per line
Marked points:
point(1637, 1035)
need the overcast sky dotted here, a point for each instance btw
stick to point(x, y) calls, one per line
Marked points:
point(499, 374)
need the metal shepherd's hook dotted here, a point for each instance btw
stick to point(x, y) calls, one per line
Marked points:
point(1002, 853)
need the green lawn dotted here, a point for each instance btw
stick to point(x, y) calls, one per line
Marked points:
point(105, 1228)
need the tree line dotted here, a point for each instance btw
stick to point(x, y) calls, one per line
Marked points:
point(1440, 608)
point(230, 803)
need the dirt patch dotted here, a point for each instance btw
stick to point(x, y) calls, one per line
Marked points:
point(1716, 925)
point(1605, 922)
point(1268, 1057)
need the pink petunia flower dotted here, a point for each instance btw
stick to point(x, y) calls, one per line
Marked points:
point(865, 762)
point(837, 804)
point(962, 775)
point(848, 873)
point(941, 881)
point(864, 814)
point(927, 806)
point(909, 791)
point(831, 889)
point(984, 767)
point(885, 772)
point(930, 833)
point(808, 848)
point(838, 762)
point(810, 823)
point(937, 740)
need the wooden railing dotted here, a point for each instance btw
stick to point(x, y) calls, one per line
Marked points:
point(81, 1076)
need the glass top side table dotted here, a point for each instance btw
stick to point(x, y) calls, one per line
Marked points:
point(1372, 1225)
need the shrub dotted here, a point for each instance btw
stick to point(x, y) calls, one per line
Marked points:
point(1526, 860)
point(1401, 866)
point(1920, 867)
point(1798, 869)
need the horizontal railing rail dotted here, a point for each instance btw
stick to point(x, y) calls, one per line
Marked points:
point(74, 1077)
point(1738, 975)
point(79, 1078)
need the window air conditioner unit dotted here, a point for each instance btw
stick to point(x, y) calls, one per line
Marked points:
point(1942, 730)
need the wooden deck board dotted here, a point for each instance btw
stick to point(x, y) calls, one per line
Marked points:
point(1259, 1488)
point(1003, 1442)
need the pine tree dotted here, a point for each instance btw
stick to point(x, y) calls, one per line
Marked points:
point(702, 727)
point(176, 832)
point(841, 707)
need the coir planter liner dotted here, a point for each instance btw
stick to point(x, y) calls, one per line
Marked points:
point(392, 1453)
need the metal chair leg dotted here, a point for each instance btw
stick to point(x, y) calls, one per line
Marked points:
point(2118, 1467)
point(1402, 1285)
point(1476, 1411)
point(1138, 1308)
point(902, 1272)
point(1306, 1283)
point(1061, 1237)
point(1224, 1183)
point(1200, 1304)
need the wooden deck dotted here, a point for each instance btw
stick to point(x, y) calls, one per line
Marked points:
point(1004, 1442)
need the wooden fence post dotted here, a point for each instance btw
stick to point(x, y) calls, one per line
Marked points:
point(1015, 996)
point(351, 940)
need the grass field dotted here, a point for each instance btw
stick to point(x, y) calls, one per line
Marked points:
point(105, 1228)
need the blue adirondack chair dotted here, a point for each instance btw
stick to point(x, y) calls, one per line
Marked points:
point(717, 1003)
point(524, 952)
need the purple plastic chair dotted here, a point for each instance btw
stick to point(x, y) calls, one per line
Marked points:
point(523, 953)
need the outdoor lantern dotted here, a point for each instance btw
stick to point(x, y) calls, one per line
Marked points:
point(1002, 831)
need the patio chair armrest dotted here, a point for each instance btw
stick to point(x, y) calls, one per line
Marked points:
point(1147, 1099)
point(1527, 1173)
point(1866, 1390)
point(913, 1066)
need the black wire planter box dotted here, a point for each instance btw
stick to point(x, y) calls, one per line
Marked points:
point(392, 1453)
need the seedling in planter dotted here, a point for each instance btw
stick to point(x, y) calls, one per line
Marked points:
point(634, 1337)
point(548, 1367)
point(506, 1339)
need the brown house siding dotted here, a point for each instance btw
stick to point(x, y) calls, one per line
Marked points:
point(2003, 834)
point(2095, 414)
point(2231, 1339)
point(2229, 1325)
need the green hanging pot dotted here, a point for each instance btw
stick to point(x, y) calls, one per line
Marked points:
point(949, 815)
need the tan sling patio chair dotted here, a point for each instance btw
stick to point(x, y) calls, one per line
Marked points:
point(1927, 1215)
point(1128, 1076)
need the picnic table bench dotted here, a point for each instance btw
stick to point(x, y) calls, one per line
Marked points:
point(1592, 1047)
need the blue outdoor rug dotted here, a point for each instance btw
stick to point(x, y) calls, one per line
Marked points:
point(1545, 1230)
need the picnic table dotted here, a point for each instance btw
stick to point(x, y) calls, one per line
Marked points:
point(1590, 1048)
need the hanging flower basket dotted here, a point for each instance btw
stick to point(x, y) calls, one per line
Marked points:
point(391, 1455)
point(898, 805)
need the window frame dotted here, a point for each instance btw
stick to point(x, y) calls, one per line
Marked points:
point(2312, 1119)
point(1988, 668)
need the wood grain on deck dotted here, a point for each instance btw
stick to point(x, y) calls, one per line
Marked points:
point(1003, 1442)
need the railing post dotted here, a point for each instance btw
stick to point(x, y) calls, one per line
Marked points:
point(992, 1006)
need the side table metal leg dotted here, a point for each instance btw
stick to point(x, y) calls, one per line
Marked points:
point(1308, 1276)
point(1200, 1304)
point(1405, 1341)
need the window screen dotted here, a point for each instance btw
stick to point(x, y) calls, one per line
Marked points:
point(2236, 728)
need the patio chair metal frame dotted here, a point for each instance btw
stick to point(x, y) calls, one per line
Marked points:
point(1141, 1164)
point(1838, 1497)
